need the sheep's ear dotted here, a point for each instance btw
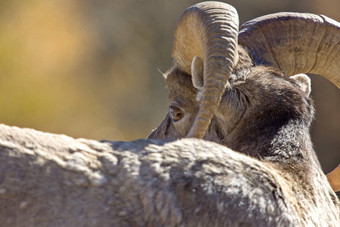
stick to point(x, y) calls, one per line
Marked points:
point(304, 82)
point(197, 72)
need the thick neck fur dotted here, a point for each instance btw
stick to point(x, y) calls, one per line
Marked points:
point(290, 142)
point(275, 143)
point(286, 142)
point(288, 148)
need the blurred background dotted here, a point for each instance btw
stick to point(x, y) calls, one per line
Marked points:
point(92, 68)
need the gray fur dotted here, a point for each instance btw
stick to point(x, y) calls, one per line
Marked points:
point(55, 180)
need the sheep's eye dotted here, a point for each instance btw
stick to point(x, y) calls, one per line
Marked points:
point(175, 113)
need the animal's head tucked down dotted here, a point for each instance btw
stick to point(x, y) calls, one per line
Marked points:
point(260, 100)
point(232, 86)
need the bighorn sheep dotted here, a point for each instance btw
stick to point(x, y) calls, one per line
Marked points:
point(237, 88)
point(54, 180)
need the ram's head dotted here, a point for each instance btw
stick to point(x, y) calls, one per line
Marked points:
point(238, 88)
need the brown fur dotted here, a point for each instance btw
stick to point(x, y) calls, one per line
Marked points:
point(262, 114)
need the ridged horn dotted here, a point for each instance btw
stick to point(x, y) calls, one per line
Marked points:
point(295, 43)
point(208, 30)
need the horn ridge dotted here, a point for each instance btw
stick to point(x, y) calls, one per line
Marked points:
point(295, 43)
point(208, 30)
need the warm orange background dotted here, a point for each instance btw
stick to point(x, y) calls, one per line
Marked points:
point(91, 68)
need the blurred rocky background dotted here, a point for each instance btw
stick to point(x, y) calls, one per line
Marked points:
point(91, 68)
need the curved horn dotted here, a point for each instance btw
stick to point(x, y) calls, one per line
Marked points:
point(295, 43)
point(208, 30)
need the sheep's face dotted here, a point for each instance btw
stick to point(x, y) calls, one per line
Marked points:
point(259, 102)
